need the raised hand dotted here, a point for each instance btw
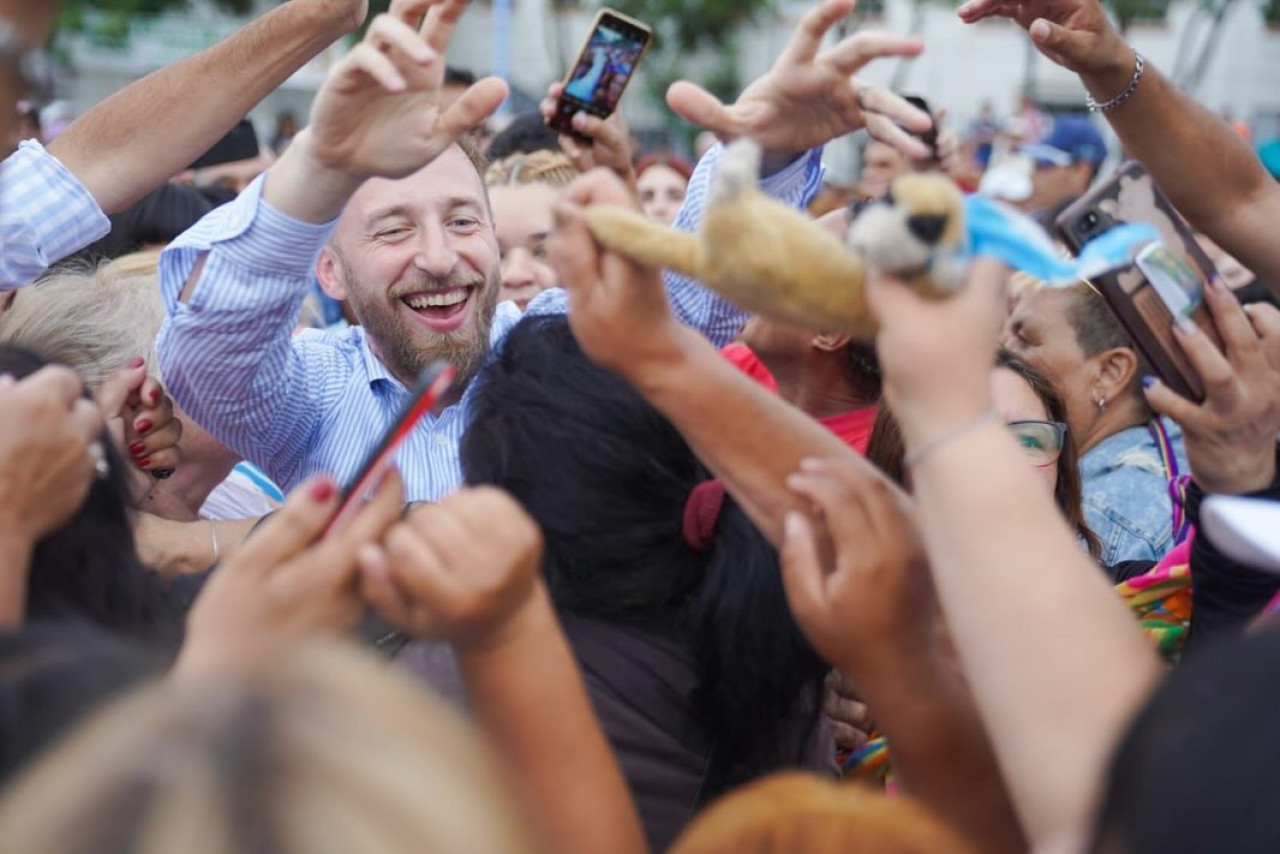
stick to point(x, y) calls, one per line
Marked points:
point(811, 96)
point(872, 601)
point(286, 585)
point(48, 452)
point(464, 570)
point(608, 141)
point(619, 311)
point(1075, 34)
point(379, 113)
point(1231, 436)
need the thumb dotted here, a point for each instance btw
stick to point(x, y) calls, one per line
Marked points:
point(478, 103)
point(699, 107)
point(1056, 38)
point(801, 571)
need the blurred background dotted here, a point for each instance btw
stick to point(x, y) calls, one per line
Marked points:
point(1225, 52)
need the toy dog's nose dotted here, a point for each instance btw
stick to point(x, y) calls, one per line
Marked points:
point(927, 227)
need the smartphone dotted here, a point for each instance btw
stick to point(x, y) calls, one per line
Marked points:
point(604, 67)
point(433, 383)
point(1166, 281)
point(929, 137)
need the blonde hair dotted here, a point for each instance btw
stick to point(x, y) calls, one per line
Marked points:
point(538, 167)
point(325, 751)
point(93, 319)
point(793, 812)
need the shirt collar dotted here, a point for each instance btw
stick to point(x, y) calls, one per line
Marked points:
point(379, 375)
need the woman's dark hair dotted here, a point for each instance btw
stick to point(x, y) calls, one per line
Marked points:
point(157, 219)
point(53, 674)
point(607, 478)
point(89, 568)
point(1198, 768)
point(527, 133)
point(887, 450)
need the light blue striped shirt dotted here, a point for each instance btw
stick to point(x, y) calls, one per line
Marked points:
point(45, 215)
point(319, 401)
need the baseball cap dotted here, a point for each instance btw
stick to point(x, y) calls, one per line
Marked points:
point(1072, 139)
point(1244, 529)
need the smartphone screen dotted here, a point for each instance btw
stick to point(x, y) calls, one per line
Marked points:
point(603, 69)
point(433, 383)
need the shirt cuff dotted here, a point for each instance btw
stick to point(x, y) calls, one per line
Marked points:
point(78, 220)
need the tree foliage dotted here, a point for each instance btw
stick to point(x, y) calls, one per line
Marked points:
point(691, 24)
point(109, 20)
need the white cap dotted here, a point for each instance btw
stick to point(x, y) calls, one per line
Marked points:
point(1244, 529)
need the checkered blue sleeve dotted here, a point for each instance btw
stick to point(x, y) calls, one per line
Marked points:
point(45, 215)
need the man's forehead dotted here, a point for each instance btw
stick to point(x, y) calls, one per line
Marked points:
point(449, 179)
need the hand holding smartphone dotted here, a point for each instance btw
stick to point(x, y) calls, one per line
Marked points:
point(1166, 284)
point(605, 65)
point(433, 383)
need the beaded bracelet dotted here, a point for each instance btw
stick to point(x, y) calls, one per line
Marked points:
point(1108, 106)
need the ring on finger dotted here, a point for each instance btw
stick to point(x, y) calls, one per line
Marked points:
point(99, 457)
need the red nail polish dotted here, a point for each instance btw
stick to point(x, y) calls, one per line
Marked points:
point(144, 462)
point(137, 362)
point(137, 448)
point(322, 490)
point(142, 426)
point(154, 397)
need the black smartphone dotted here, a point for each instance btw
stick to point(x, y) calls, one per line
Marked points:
point(929, 137)
point(433, 383)
point(605, 65)
point(1164, 286)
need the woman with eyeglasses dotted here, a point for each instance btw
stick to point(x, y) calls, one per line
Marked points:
point(1034, 412)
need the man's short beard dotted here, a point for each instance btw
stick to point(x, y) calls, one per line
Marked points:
point(395, 345)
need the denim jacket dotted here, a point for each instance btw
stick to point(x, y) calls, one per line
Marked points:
point(1126, 494)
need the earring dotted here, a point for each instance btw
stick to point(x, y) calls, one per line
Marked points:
point(1102, 404)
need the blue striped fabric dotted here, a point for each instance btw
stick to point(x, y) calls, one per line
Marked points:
point(45, 215)
point(317, 402)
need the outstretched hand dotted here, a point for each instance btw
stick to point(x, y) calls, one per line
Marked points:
point(1231, 436)
point(811, 96)
point(1075, 34)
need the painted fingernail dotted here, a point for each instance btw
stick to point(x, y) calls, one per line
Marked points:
point(154, 397)
point(162, 474)
point(137, 448)
point(142, 426)
point(1148, 381)
point(322, 490)
point(137, 362)
point(144, 462)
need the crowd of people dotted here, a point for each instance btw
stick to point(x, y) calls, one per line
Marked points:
point(654, 574)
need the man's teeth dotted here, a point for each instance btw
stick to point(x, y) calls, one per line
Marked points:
point(437, 300)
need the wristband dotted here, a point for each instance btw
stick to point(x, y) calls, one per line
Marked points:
point(914, 456)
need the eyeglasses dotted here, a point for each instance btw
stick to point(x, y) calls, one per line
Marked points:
point(1041, 440)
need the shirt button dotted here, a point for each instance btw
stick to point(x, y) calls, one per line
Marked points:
point(442, 440)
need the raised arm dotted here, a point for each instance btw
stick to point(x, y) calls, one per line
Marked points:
point(140, 137)
point(620, 315)
point(1056, 664)
point(1228, 195)
point(466, 570)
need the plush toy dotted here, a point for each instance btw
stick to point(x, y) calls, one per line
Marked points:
point(773, 260)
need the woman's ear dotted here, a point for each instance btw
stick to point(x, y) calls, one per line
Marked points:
point(1116, 369)
point(329, 273)
point(830, 343)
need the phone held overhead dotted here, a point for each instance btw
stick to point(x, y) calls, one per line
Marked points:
point(605, 65)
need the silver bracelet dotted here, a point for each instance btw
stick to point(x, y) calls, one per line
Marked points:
point(917, 454)
point(1095, 107)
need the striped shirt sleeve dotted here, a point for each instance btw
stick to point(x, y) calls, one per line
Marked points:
point(228, 353)
point(45, 215)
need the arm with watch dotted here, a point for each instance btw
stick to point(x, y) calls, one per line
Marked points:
point(1228, 196)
